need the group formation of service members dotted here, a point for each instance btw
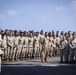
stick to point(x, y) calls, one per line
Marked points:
point(23, 45)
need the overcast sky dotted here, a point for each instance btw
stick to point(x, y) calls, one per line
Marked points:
point(38, 14)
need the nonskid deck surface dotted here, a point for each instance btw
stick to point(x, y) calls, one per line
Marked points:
point(36, 67)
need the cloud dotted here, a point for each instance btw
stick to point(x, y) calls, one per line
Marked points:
point(73, 5)
point(70, 7)
point(60, 8)
point(11, 12)
point(7, 14)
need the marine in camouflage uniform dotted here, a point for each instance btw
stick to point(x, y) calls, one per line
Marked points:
point(41, 36)
point(25, 46)
point(69, 51)
point(36, 52)
point(30, 46)
point(10, 45)
point(50, 45)
point(1, 52)
point(57, 43)
point(54, 45)
point(4, 46)
point(63, 49)
point(44, 52)
point(73, 48)
point(16, 45)
point(20, 46)
point(47, 39)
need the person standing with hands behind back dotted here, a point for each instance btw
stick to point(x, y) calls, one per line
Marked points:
point(63, 49)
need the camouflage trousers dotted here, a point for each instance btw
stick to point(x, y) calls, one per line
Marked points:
point(25, 52)
point(9, 53)
point(14, 53)
point(4, 55)
point(30, 52)
point(19, 52)
point(63, 55)
point(72, 54)
point(44, 55)
point(50, 51)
